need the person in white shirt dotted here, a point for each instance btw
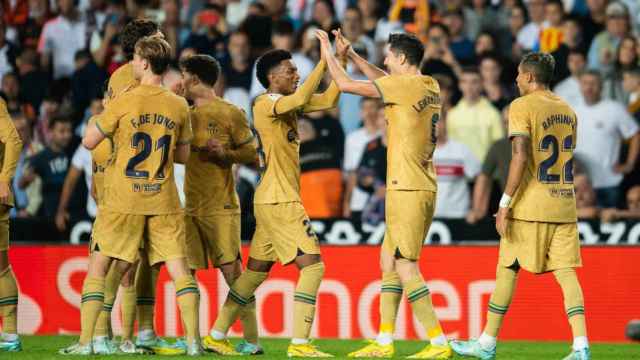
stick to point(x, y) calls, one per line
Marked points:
point(80, 163)
point(529, 36)
point(602, 127)
point(455, 167)
point(355, 199)
point(61, 38)
point(569, 88)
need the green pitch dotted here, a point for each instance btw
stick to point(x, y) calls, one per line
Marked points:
point(46, 347)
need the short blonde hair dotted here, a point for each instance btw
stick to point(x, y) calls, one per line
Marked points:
point(156, 51)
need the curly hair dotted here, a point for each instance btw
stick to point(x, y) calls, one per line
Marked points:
point(134, 31)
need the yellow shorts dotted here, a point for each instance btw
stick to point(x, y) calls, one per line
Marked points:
point(4, 227)
point(408, 216)
point(539, 246)
point(120, 236)
point(282, 230)
point(212, 238)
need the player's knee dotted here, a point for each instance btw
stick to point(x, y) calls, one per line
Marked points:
point(259, 265)
point(315, 270)
point(387, 262)
point(128, 278)
point(177, 268)
point(568, 281)
point(231, 271)
point(406, 269)
point(4, 260)
point(303, 260)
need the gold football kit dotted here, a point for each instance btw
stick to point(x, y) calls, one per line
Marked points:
point(10, 148)
point(140, 194)
point(212, 208)
point(412, 109)
point(282, 225)
point(543, 235)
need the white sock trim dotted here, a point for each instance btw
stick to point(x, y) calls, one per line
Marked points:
point(217, 335)
point(296, 341)
point(384, 338)
point(146, 334)
point(580, 342)
point(487, 342)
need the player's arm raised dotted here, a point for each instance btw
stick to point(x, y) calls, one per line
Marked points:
point(339, 74)
point(371, 71)
point(303, 94)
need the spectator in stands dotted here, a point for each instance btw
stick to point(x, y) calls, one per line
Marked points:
point(529, 36)
point(353, 29)
point(481, 18)
point(517, 20)
point(51, 166)
point(585, 197)
point(594, 22)
point(438, 56)
point(552, 34)
point(455, 166)
point(28, 199)
point(238, 65)
point(283, 38)
point(463, 49)
point(498, 93)
point(355, 198)
point(34, 82)
point(61, 38)
point(321, 154)
point(324, 15)
point(632, 210)
point(571, 41)
point(171, 27)
point(485, 44)
point(495, 167)
point(569, 88)
point(631, 85)
point(371, 11)
point(11, 91)
point(208, 30)
point(80, 164)
point(474, 121)
point(8, 52)
point(104, 40)
point(372, 174)
point(603, 48)
point(86, 83)
point(626, 58)
point(603, 125)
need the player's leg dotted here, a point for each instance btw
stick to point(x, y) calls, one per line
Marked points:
point(103, 333)
point(145, 281)
point(166, 243)
point(241, 294)
point(9, 340)
point(574, 307)
point(8, 305)
point(390, 297)
point(128, 302)
point(231, 272)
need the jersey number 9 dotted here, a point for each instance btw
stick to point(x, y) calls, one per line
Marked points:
point(142, 141)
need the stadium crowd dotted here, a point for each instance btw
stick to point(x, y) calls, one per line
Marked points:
point(55, 56)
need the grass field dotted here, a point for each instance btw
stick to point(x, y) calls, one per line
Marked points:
point(46, 347)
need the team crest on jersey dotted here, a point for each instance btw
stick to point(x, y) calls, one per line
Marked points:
point(212, 129)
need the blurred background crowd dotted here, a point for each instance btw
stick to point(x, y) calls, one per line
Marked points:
point(55, 56)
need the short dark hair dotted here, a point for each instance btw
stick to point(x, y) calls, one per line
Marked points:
point(134, 31)
point(156, 51)
point(267, 62)
point(591, 72)
point(408, 45)
point(541, 65)
point(634, 71)
point(206, 68)
point(471, 70)
point(59, 118)
point(577, 51)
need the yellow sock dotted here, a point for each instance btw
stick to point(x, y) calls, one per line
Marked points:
point(92, 301)
point(111, 283)
point(500, 299)
point(420, 300)
point(188, 301)
point(573, 300)
point(240, 294)
point(9, 301)
point(128, 310)
point(390, 296)
point(145, 282)
point(249, 322)
point(304, 305)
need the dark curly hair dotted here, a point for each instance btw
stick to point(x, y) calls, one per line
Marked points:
point(267, 62)
point(134, 31)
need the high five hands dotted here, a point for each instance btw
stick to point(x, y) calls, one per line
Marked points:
point(342, 44)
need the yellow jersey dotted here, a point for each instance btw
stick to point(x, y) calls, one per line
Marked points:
point(412, 108)
point(120, 81)
point(10, 149)
point(546, 192)
point(209, 185)
point(146, 125)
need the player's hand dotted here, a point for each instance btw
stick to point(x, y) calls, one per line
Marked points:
point(608, 215)
point(325, 43)
point(346, 210)
point(502, 222)
point(61, 220)
point(5, 192)
point(473, 217)
point(215, 148)
point(342, 44)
